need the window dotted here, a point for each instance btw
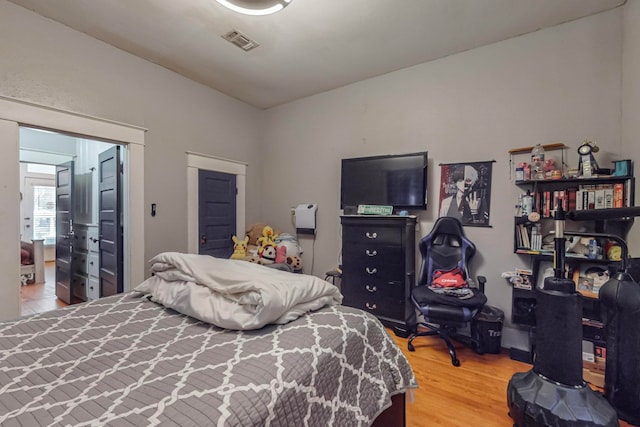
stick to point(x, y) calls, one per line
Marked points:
point(44, 213)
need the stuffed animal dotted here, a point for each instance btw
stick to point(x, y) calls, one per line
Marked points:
point(268, 238)
point(268, 254)
point(253, 258)
point(239, 247)
point(254, 232)
point(289, 242)
point(281, 254)
point(295, 262)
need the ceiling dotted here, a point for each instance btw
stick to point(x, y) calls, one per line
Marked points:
point(312, 45)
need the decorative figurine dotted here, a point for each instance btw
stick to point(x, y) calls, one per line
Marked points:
point(587, 164)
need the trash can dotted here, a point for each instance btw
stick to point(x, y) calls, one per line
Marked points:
point(486, 329)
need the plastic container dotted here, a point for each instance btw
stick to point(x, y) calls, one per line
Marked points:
point(527, 203)
point(486, 328)
point(537, 162)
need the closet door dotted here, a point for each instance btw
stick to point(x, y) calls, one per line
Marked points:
point(216, 213)
point(110, 221)
point(64, 231)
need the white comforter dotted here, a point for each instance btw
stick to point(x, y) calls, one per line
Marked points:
point(234, 294)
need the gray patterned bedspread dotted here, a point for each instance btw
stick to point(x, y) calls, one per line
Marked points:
point(126, 361)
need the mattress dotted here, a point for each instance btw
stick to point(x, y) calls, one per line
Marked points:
point(124, 360)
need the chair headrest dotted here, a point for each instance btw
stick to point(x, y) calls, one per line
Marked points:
point(448, 225)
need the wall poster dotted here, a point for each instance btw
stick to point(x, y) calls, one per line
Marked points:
point(465, 192)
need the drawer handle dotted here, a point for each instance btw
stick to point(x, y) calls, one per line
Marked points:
point(90, 262)
point(372, 235)
point(371, 253)
point(371, 306)
point(93, 239)
point(371, 288)
point(371, 270)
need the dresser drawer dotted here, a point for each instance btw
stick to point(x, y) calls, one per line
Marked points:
point(93, 243)
point(359, 235)
point(374, 253)
point(377, 305)
point(93, 267)
point(93, 288)
point(80, 238)
point(358, 286)
point(80, 262)
point(79, 286)
point(374, 270)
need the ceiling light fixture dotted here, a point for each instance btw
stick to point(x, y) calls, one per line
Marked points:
point(255, 7)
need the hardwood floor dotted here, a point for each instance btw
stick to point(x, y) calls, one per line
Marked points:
point(473, 394)
point(38, 298)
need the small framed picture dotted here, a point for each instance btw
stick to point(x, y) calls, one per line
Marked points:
point(524, 279)
point(589, 279)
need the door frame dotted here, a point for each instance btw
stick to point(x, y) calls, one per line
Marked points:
point(16, 112)
point(197, 161)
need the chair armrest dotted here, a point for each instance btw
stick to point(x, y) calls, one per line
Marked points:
point(481, 281)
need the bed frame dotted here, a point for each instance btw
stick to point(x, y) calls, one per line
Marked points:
point(395, 415)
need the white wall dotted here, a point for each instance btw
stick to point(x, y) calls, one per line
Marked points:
point(561, 84)
point(47, 63)
point(556, 85)
point(631, 103)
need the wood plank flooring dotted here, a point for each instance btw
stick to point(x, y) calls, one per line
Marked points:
point(474, 394)
point(38, 298)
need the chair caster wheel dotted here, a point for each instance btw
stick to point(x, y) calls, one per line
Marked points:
point(455, 362)
point(411, 347)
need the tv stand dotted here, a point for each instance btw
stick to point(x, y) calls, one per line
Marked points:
point(378, 267)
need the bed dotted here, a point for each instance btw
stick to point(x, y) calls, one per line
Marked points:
point(32, 261)
point(126, 360)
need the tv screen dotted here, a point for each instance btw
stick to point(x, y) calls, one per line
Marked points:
point(394, 180)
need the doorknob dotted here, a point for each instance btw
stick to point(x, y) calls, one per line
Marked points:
point(203, 239)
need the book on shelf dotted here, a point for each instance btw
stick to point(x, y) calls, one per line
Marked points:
point(536, 239)
point(618, 195)
point(608, 198)
point(599, 198)
point(524, 236)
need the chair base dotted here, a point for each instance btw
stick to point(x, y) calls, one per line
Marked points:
point(446, 333)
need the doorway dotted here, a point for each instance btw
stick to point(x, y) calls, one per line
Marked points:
point(216, 213)
point(14, 112)
point(69, 202)
point(197, 162)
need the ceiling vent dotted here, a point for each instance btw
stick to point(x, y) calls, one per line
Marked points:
point(242, 41)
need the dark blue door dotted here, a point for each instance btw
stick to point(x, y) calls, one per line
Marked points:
point(64, 231)
point(217, 213)
point(110, 221)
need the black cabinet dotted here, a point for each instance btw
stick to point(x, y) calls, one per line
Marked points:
point(378, 267)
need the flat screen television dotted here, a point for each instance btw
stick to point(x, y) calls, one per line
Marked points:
point(398, 180)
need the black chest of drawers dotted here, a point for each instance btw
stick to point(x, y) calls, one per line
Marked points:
point(378, 267)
